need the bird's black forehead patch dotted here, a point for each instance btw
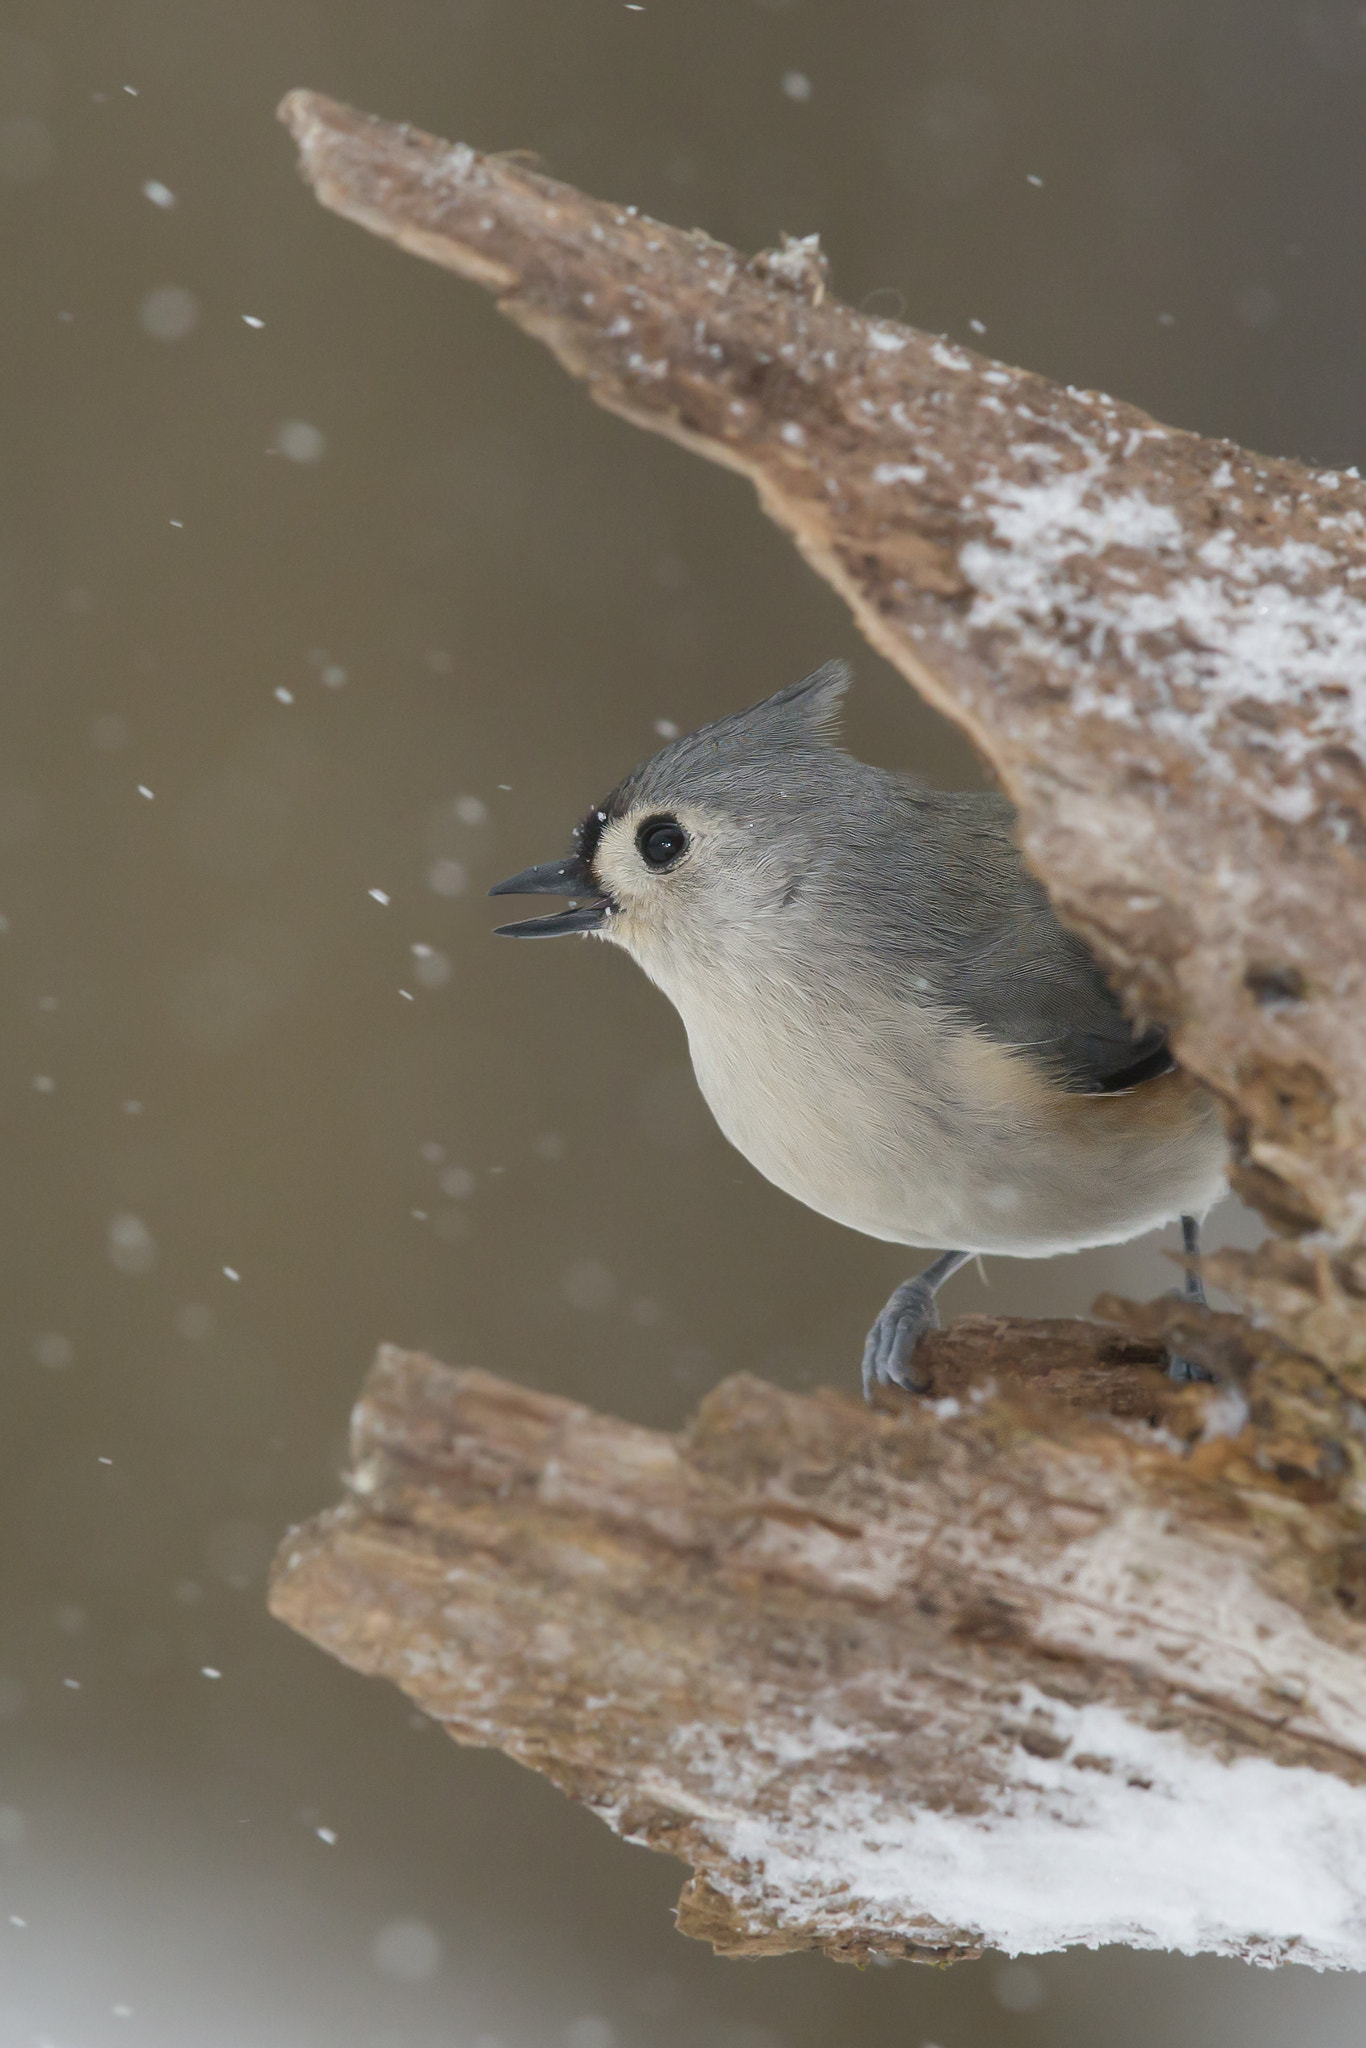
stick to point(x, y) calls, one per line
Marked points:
point(589, 830)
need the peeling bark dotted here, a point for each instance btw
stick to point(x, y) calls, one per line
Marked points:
point(915, 1680)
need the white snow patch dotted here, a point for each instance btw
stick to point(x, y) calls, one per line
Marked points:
point(899, 473)
point(1226, 1412)
point(1237, 623)
point(798, 262)
point(1151, 1842)
point(1061, 518)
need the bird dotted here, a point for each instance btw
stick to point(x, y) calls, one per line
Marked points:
point(885, 1014)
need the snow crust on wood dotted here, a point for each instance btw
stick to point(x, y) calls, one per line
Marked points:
point(1243, 629)
point(1130, 1835)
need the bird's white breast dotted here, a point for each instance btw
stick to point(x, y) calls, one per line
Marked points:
point(898, 1120)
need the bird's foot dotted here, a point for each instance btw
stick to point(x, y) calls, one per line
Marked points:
point(1179, 1368)
point(888, 1353)
point(1193, 1294)
point(1187, 1369)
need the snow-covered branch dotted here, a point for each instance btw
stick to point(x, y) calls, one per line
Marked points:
point(991, 1669)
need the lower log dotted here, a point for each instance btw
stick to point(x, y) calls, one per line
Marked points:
point(1054, 1656)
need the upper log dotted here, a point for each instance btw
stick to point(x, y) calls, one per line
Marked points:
point(1157, 640)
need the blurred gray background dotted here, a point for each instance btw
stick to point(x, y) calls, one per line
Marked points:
point(319, 580)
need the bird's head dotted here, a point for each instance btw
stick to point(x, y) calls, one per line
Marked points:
point(709, 845)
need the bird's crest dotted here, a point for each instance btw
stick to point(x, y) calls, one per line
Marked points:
point(798, 720)
point(805, 714)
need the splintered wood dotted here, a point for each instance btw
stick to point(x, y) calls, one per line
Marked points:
point(892, 1682)
point(1061, 1653)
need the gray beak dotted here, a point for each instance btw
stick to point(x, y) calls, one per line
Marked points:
point(571, 877)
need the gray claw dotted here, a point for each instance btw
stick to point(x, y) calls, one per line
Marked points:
point(892, 1340)
point(1179, 1368)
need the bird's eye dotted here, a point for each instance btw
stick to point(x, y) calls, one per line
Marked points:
point(662, 841)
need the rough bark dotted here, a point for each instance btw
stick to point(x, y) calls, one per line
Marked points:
point(855, 1666)
point(894, 1681)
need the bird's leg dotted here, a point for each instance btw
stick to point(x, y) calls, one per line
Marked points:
point(910, 1312)
point(1179, 1368)
point(1190, 1245)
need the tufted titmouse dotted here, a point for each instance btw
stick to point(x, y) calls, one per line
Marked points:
point(884, 1014)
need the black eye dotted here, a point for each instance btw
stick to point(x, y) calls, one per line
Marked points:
point(662, 841)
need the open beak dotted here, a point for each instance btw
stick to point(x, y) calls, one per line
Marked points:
point(570, 877)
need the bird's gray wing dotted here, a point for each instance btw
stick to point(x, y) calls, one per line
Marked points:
point(977, 925)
